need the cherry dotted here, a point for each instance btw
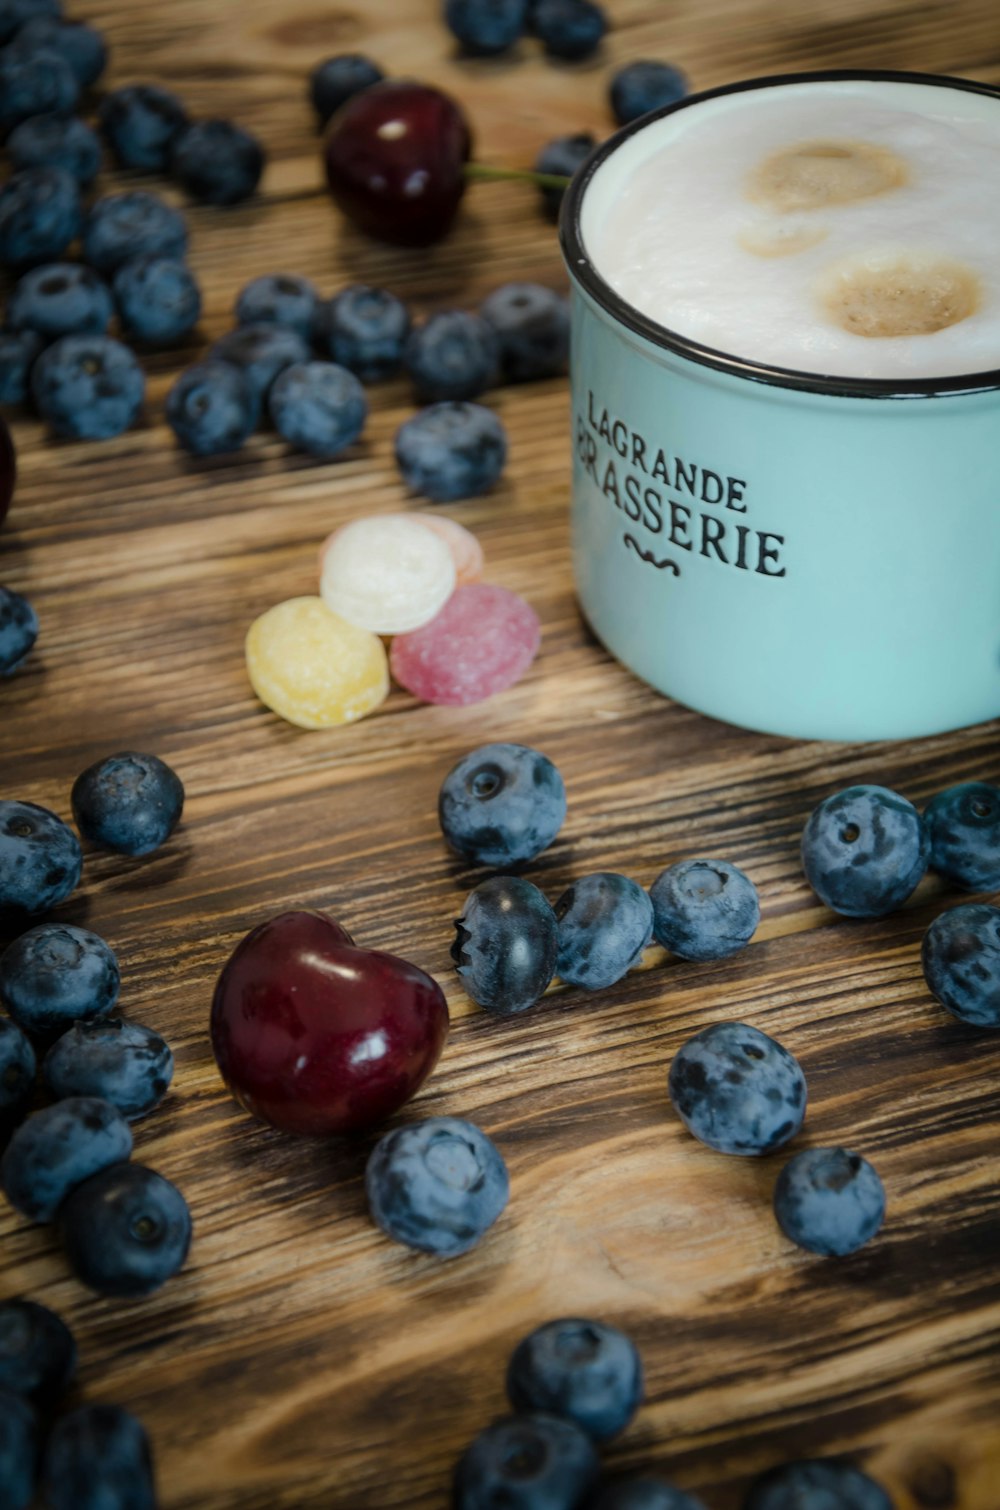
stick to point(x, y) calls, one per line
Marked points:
point(8, 470)
point(395, 155)
point(315, 1035)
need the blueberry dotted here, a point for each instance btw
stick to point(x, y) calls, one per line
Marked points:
point(60, 299)
point(704, 909)
point(585, 1371)
point(532, 325)
point(58, 1149)
point(453, 355)
point(529, 1462)
point(486, 27)
point(564, 155)
point(122, 1062)
point(39, 216)
point(367, 329)
point(212, 409)
point(605, 923)
point(126, 1231)
point(79, 45)
point(17, 1082)
point(18, 628)
point(506, 945)
point(338, 79)
point(158, 299)
point(737, 1090)
point(318, 407)
point(501, 805)
point(280, 299)
point(864, 850)
point(817, 1485)
point(19, 350)
point(642, 1493)
point(17, 13)
point(140, 123)
point(961, 960)
point(963, 827)
point(437, 1185)
point(570, 29)
point(19, 1449)
point(88, 387)
point(34, 82)
point(260, 352)
point(55, 975)
point(128, 803)
point(643, 86)
point(37, 1352)
point(451, 451)
point(40, 858)
point(98, 1458)
point(56, 141)
point(217, 161)
point(829, 1201)
point(121, 227)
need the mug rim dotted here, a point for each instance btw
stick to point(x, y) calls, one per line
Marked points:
point(582, 269)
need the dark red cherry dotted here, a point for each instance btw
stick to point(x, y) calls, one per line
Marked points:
point(8, 470)
point(317, 1036)
point(394, 160)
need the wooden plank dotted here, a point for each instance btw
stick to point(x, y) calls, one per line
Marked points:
point(301, 1360)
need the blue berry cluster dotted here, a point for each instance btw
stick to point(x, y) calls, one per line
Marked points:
point(302, 361)
point(501, 806)
point(567, 29)
point(92, 1455)
point(573, 1384)
point(125, 1229)
point(865, 850)
point(55, 346)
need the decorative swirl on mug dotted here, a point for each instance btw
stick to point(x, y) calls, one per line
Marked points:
point(648, 556)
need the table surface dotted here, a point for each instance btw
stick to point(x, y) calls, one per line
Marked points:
point(302, 1360)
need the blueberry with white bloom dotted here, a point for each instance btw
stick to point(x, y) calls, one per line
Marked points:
point(437, 1185)
point(829, 1201)
point(864, 851)
point(451, 450)
point(704, 909)
point(585, 1371)
point(737, 1090)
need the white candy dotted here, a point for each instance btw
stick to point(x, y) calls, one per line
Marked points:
point(386, 573)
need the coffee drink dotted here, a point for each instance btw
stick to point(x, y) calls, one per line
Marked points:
point(841, 227)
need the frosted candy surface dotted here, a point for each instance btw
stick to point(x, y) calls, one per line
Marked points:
point(466, 551)
point(842, 227)
point(482, 641)
point(386, 573)
point(313, 668)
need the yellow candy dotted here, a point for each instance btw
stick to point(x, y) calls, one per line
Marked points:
point(311, 667)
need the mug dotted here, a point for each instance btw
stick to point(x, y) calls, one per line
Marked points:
point(802, 555)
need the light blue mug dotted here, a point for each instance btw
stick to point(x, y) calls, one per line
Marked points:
point(803, 555)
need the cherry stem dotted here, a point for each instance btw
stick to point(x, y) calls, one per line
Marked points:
point(522, 175)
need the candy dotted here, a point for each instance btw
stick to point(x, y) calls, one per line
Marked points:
point(312, 668)
point(482, 641)
point(466, 551)
point(386, 573)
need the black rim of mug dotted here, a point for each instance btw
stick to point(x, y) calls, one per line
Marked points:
point(582, 270)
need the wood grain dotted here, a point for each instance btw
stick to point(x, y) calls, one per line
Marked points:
point(302, 1360)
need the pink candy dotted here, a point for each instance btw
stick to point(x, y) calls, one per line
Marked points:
point(483, 640)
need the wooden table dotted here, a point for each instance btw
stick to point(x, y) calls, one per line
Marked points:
point(302, 1360)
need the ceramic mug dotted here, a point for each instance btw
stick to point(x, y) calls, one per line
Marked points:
point(803, 555)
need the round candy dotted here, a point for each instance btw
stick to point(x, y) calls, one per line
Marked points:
point(466, 551)
point(313, 668)
point(386, 573)
point(483, 640)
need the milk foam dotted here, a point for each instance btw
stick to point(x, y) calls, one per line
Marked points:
point(682, 222)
